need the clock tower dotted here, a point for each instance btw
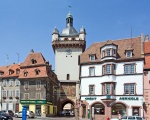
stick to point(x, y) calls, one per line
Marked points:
point(67, 46)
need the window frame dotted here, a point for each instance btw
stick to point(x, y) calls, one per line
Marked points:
point(129, 88)
point(112, 88)
point(90, 72)
point(93, 87)
point(10, 82)
point(4, 92)
point(26, 94)
point(18, 93)
point(38, 84)
point(92, 57)
point(17, 82)
point(26, 85)
point(10, 93)
point(129, 71)
point(38, 95)
point(4, 82)
point(129, 53)
point(112, 69)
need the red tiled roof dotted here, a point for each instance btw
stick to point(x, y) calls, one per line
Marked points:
point(147, 47)
point(12, 67)
point(147, 62)
point(123, 44)
point(27, 65)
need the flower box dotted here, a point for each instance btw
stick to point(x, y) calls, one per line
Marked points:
point(4, 97)
point(10, 97)
point(17, 97)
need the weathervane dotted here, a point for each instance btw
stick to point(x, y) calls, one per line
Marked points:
point(69, 7)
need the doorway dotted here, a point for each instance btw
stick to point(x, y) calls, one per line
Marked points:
point(38, 110)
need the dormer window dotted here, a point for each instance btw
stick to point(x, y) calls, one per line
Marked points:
point(37, 71)
point(92, 57)
point(11, 72)
point(108, 52)
point(34, 61)
point(1, 73)
point(25, 73)
point(128, 54)
point(17, 71)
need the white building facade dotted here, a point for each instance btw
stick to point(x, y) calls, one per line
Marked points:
point(112, 79)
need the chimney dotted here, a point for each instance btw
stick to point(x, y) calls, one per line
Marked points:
point(146, 38)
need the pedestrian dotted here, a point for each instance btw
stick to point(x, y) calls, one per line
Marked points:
point(119, 116)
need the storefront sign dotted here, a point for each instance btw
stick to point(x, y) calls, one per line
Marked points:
point(91, 98)
point(128, 98)
point(33, 101)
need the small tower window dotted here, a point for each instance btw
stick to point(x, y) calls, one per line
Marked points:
point(68, 77)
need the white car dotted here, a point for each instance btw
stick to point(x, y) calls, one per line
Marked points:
point(30, 114)
point(131, 118)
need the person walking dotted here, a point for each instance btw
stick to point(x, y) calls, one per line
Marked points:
point(119, 116)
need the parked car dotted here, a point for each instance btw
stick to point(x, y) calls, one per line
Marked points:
point(30, 114)
point(4, 116)
point(132, 118)
point(9, 112)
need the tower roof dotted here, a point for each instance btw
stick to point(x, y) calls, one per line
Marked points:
point(69, 30)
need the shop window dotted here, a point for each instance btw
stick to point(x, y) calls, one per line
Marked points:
point(135, 111)
point(129, 69)
point(108, 88)
point(91, 71)
point(119, 108)
point(129, 88)
point(99, 109)
point(91, 89)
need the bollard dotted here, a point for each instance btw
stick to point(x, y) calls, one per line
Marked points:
point(24, 113)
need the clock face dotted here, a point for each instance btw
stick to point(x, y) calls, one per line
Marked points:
point(68, 51)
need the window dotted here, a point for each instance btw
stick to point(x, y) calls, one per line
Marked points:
point(129, 88)
point(25, 73)
point(17, 82)
point(148, 75)
point(4, 83)
point(128, 54)
point(68, 77)
point(10, 82)
point(11, 72)
point(107, 52)
point(33, 61)
point(10, 93)
point(26, 96)
point(108, 88)
point(37, 71)
point(17, 93)
point(92, 57)
point(38, 84)
point(1, 73)
point(129, 69)
point(113, 52)
point(91, 90)
point(108, 69)
point(38, 95)
point(4, 93)
point(17, 71)
point(26, 84)
point(91, 71)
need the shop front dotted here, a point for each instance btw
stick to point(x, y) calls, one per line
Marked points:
point(101, 108)
point(39, 107)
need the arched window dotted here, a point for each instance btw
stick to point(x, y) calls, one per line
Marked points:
point(99, 108)
point(118, 107)
point(68, 77)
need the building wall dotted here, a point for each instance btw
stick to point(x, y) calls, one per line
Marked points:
point(67, 64)
point(147, 94)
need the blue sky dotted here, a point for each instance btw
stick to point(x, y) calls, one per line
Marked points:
point(28, 24)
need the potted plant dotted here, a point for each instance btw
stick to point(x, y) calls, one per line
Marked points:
point(10, 97)
point(17, 97)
